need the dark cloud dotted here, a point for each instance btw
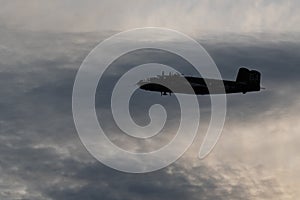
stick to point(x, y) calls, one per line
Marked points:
point(41, 156)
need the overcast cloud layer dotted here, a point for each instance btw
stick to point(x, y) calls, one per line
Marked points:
point(192, 16)
point(41, 48)
point(42, 157)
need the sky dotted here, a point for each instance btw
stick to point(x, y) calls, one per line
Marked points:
point(187, 16)
point(42, 46)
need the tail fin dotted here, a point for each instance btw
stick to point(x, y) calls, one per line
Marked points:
point(250, 78)
point(243, 75)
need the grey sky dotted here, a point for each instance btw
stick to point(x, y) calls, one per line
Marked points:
point(190, 16)
point(42, 44)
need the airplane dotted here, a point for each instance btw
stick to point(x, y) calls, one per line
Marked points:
point(246, 81)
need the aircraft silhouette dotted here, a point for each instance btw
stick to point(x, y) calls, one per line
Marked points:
point(246, 81)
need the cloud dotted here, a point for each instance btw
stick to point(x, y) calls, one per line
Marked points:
point(191, 16)
point(41, 156)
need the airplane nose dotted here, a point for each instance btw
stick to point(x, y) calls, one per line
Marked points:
point(140, 83)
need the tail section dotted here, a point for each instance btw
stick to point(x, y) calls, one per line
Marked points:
point(250, 79)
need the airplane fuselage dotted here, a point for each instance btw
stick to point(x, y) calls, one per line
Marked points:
point(247, 81)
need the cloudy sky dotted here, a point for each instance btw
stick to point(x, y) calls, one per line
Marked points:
point(42, 45)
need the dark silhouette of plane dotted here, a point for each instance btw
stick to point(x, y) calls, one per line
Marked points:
point(246, 81)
